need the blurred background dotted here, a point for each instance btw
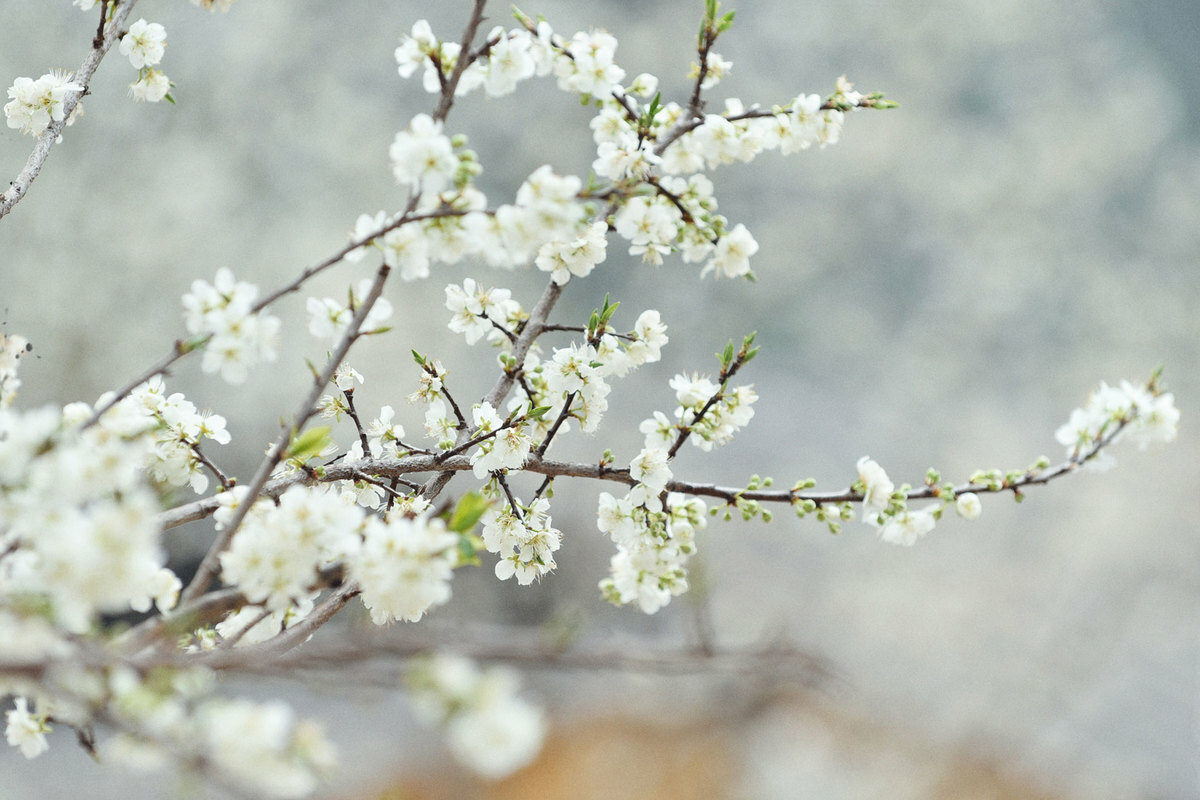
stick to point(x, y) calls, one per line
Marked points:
point(939, 289)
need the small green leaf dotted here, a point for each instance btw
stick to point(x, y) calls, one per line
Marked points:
point(309, 443)
point(417, 357)
point(468, 511)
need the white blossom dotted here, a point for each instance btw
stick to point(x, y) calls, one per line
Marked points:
point(404, 567)
point(731, 259)
point(487, 725)
point(26, 730)
point(422, 156)
point(144, 44)
point(877, 488)
point(33, 105)
point(905, 528)
point(968, 505)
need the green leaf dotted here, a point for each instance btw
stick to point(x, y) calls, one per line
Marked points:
point(309, 443)
point(538, 413)
point(417, 357)
point(468, 511)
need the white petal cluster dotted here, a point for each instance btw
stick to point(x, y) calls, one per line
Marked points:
point(263, 747)
point(525, 543)
point(178, 429)
point(77, 520)
point(26, 729)
point(730, 413)
point(33, 105)
point(968, 505)
point(239, 338)
point(591, 68)
point(877, 487)
point(487, 725)
point(328, 319)
point(510, 61)
point(1149, 419)
point(144, 45)
point(404, 567)
point(508, 449)
point(577, 257)
point(477, 312)
point(650, 224)
point(653, 546)
point(571, 373)
point(731, 257)
point(905, 527)
point(423, 157)
point(274, 557)
point(384, 435)
point(547, 209)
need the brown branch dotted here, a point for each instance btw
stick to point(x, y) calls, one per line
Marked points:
point(465, 57)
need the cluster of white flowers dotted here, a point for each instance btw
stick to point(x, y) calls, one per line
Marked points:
point(656, 215)
point(261, 748)
point(506, 449)
point(404, 247)
point(237, 337)
point(886, 510)
point(328, 319)
point(731, 412)
point(481, 312)
point(423, 157)
point(264, 747)
point(402, 562)
point(572, 375)
point(279, 547)
point(33, 105)
point(178, 429)
point(144, 45)
point(525, 541)
point(654, 542)
point(404, 566)
point(576, 257)
point(77, 519)
point(1148, 419)
point(487, 725)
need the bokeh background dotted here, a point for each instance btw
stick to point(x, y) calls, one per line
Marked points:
point(940, 288)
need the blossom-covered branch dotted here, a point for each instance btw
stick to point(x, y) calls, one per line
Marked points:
point(44, 107)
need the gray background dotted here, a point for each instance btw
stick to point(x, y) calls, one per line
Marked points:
point(941, 288)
